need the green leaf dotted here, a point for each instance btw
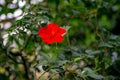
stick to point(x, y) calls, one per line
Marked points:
point(105, 45)
point(77, 59)
point(61, 63)
point(89, 51)
point(92, 74)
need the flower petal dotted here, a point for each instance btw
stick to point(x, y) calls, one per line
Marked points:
point(61, 31)
point(42, 32)
point(58, 38)
point(53, 27)
point(48, 41)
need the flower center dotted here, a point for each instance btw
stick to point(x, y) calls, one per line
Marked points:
point(53, 32)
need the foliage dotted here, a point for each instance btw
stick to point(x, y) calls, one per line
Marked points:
point(90, 51)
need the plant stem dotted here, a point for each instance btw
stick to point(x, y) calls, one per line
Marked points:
point(25, 67)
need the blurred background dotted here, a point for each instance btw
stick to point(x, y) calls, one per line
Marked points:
point(90, 50)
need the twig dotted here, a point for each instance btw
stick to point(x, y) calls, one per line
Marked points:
point(41, 75)
point(23, 59)
point(25, 67)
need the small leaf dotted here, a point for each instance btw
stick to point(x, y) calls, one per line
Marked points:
point(61, 63)
point(105, 45)
point(77, 59)
point(92, 74)
point(67, 27)
point(88, 51)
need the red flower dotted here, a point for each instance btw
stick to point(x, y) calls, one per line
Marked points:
point(51, 33)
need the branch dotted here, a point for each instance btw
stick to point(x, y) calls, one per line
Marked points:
point(25, 67)
point(23, 58)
